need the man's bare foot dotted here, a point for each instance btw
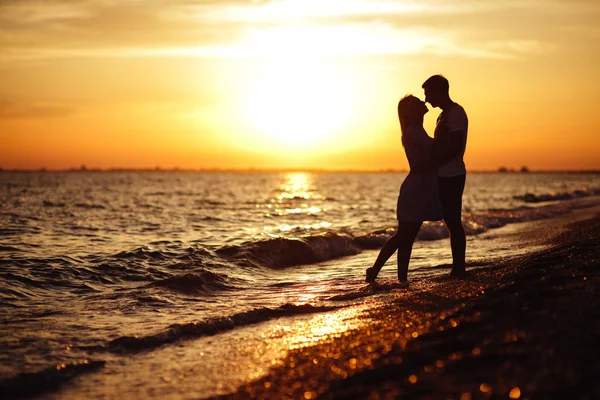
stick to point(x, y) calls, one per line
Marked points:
point(458, 273)
point(371, 275)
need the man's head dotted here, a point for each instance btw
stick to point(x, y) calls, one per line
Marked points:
point(436, 90)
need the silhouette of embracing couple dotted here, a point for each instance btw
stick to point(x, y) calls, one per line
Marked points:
point(434, 187)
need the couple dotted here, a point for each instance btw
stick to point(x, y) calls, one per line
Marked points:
point(434, 186)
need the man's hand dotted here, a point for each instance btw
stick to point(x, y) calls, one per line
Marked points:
point(447, 145)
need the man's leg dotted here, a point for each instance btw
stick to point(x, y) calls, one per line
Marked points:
point(458, 243)
point(451, 191)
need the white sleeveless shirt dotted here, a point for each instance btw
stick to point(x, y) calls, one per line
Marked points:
point(450, 120)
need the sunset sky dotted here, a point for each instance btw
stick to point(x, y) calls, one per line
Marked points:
point(293, 83)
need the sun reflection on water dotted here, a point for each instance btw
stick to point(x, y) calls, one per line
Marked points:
point(297, 195)
point(290, 228)
point(325, 326)
point(298, 185)
point(296, 209)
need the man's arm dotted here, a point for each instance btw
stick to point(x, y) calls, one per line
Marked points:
point(450, 141)
point(448, 145)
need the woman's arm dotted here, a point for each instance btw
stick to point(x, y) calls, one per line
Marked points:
point(418, 138)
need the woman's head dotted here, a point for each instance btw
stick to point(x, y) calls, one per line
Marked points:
point(411, 111)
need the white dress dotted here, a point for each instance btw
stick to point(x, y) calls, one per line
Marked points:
point(419, 198)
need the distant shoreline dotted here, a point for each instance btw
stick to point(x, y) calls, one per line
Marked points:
point(277, 170)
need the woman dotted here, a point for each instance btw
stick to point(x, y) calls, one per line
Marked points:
point(419, 198)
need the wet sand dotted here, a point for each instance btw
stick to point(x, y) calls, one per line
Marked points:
point(525, 328)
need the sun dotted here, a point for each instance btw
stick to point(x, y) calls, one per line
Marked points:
point(298, 103)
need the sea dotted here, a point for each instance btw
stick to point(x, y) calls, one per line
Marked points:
point(185, 284)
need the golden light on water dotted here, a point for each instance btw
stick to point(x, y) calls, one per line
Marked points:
point(323, 327)
point(317, 226)
point(297, 188)
point(295, 192)
point(296, 185)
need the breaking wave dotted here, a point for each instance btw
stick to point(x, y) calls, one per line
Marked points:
point(175, 332)
point(283, 252)
point(196, 283)
point(556, 196)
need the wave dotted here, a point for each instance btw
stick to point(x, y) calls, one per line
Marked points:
point(10, 248)
point(475, 224)
point(207, 202)
point(196, 282)
point(429, 231)
point(90, 206)
point(19, 217)
point(199, 270)
point(146, 253)
point(373, 240)
point(32, 277)
point(34, 383)
point(48, 203)
point(176, 332)
point(287, 252)
point(143, 253)
point(283, 252)
point(18, 230)
point(556, 196)
point(211, 219)
point(178, 269)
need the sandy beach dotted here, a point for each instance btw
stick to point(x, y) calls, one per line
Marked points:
point(526, 328)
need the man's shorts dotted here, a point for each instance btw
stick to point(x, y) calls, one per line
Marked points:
point(451, 191)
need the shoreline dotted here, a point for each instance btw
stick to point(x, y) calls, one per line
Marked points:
point(525, 328)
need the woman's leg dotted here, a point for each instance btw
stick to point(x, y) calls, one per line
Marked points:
point(389, 247)
point(407, 231)
point(402, 240)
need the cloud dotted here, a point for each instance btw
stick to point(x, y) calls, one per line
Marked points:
point(237, 28)
point(90, 24)
point(11, 110)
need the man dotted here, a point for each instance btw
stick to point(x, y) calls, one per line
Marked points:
point(450, 141)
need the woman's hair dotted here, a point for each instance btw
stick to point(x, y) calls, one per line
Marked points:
point(406, 113)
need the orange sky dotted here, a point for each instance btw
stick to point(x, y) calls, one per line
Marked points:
point(292, 84)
